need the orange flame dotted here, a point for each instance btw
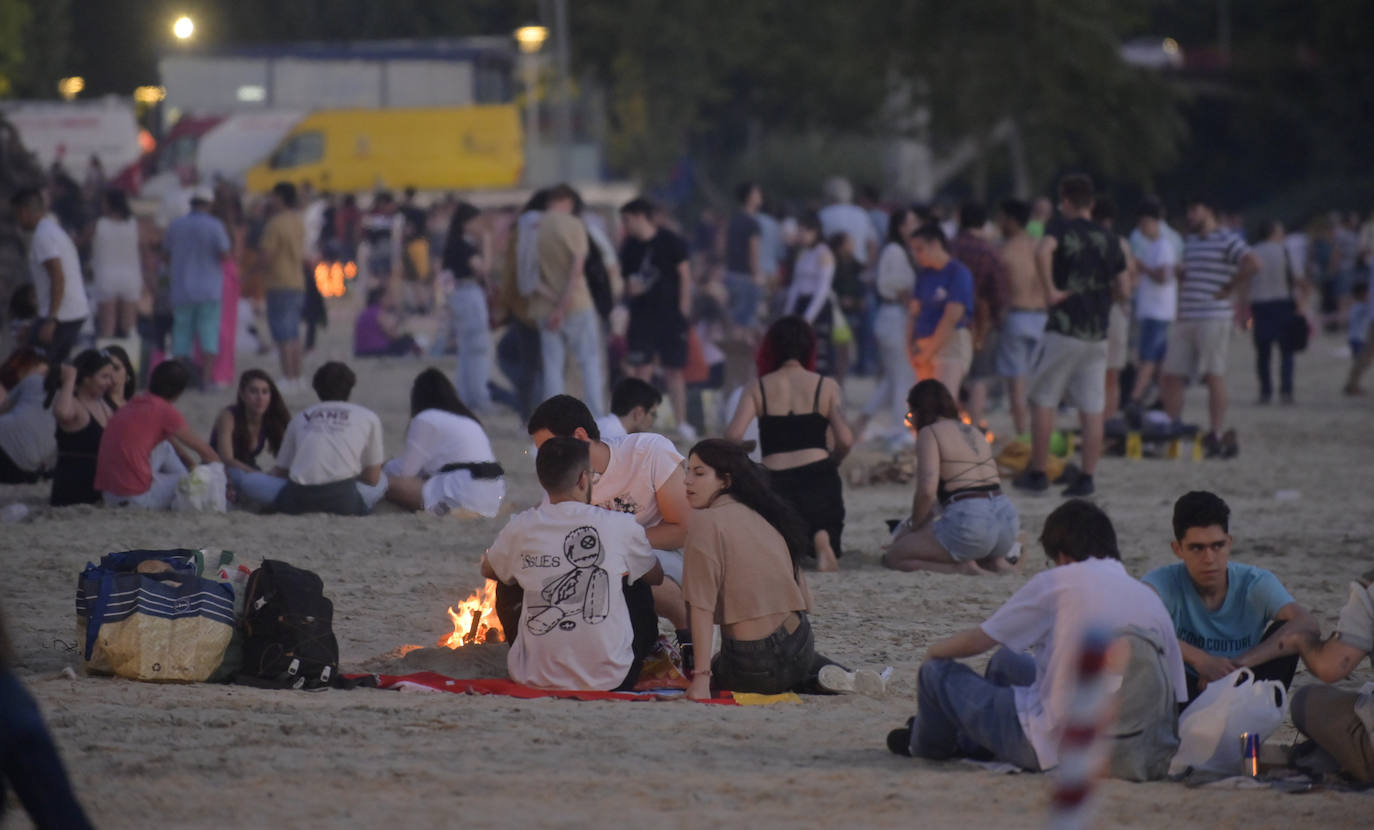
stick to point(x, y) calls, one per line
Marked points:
point(475, 621)
point(330, 277)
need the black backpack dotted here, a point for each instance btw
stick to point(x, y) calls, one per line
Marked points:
point(288, 634)
point(598, 279)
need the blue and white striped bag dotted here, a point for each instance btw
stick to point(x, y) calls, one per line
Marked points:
point(168, 625)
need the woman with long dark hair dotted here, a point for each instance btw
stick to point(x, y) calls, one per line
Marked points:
point(896, 279)
point(466, 265)
point(813, 278)
point(796, 446)
point(256, 421)
point(448, 465)
point(741, 569)
point(960, 521)
point(78, 400)
point(125, 378)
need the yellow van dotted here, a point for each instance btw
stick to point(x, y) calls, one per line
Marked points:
point(451, 148)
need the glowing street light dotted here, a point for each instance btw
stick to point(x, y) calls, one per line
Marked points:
point(69, 88)
point(149, 94)
point(183, 28)
point(531, 38)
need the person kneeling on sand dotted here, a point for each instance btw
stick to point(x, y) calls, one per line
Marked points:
point(447, 464)
point(1017, 712)
point(137, 464)
point(741, 569)
point(1341, 722)
point(975, 528)
point(587, 618)
point(1228, 615)
point(331, 457)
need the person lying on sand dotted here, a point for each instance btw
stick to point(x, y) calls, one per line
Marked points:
point(583, 575)
point(1016, 712)
point(973, 529)
point(1228, 615)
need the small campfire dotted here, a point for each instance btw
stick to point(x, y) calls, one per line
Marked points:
point(474, 620)
point(963, 416)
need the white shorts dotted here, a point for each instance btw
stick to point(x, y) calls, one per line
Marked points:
point(1118, 337)
point(1069, 366)
point(459, 491)
point(671, 560)
point(117, 285)
point(1197, 348)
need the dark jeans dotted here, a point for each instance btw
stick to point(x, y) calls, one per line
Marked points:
point(519, 355)
point(63, 340)
point(29, 762)
point(1280, 668)
point(398, 347)
point(10, 473)
point(639, 598)
point(784, 661)
point(1271, 323)
point(960, 714)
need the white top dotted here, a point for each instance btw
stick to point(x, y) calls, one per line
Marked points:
point(331, 441)
point(854, 222)
point(570, 558)
point(434, 440)
point(114, 252)
point(51, 242)
point(813, 276)
point(1270, 282)
point(611, 427)
point(896, 276)
point(1153, 300)
point(640, 464)
point(1050, 616)
point(28, 432)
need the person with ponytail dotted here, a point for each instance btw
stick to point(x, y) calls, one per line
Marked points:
point(741, 570)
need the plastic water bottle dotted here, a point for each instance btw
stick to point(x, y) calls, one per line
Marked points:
point(12, 513)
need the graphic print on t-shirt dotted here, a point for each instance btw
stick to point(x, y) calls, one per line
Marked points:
point(584, 591)
point(623, 503)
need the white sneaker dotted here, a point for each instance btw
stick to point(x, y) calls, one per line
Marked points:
point(862, 682)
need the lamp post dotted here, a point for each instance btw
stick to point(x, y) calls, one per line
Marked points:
point(531, 40)
point(183, 28)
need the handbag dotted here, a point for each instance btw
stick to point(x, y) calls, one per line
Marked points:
point(1296, 330)
point(203, 489)
point(1210, 729)
point(149, 615)
point(840, 332)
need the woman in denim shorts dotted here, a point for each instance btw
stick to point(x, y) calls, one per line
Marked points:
point(960, 521)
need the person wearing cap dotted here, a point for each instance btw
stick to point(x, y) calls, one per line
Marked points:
point(195, 248)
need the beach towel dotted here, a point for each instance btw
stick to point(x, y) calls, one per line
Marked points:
point(432, 681)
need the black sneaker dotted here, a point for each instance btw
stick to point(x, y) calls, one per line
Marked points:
point(1211, 445)
point(1033, 480)
point(1083, 486)
point(1230, 444)
point(899, 740)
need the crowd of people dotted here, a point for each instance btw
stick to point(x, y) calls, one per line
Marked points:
point(939, 308)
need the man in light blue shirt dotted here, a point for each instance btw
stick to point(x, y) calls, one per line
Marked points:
point(196, 246)
point(1227, 615)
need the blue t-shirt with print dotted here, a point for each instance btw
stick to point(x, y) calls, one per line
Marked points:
point(1253, 598)
point(936, 287)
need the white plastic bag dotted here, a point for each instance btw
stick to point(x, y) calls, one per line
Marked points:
point(203, 489)
point(1210, 729)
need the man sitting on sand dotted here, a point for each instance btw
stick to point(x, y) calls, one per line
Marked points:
point(640, 475)
point(1341, 722)
point(1017, 711)
point(137, 464)
point(588, 618)
point(634, 409)
point(1227, 614)
point(331, 456)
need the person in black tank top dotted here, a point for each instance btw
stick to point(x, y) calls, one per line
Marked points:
point(792, 432)
point(78, 403)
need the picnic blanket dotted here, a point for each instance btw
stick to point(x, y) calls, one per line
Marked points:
point(433, 681)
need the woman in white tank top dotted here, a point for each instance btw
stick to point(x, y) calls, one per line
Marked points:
point(117, 266)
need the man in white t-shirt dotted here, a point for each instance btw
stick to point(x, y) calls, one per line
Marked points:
point(634, 409)
point(587, 620)
point(640, 475)
point(1017, 712)
point(1156, 300)
point(841, 215)
point(55, 270)
point(331, 456)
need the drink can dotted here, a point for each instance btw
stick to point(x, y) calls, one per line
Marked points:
point(1249, 753)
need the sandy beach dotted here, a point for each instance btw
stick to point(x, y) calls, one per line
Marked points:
point(226, 756)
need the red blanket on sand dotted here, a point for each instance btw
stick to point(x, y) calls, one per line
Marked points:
point(509, 688)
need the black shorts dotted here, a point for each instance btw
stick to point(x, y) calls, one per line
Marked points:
point(662, 336)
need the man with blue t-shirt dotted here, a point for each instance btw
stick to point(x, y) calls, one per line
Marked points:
point(940, 345)
point(1227, 615)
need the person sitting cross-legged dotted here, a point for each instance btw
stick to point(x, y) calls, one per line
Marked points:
point(586, 620)
point(1228, 615)
point(1017, 712)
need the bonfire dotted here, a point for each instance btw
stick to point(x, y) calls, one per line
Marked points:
point(475, 621)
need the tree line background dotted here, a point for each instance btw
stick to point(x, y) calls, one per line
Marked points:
point(789, 91)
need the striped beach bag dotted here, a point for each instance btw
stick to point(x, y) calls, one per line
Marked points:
point(149, 615)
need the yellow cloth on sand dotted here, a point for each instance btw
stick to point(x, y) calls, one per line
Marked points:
point(751, 699)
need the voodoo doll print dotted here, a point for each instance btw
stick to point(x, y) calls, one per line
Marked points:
point(583, 592)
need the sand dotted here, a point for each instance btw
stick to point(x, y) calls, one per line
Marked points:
point(225, 756)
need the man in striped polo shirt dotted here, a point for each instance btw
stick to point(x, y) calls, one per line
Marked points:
point(1217, 265)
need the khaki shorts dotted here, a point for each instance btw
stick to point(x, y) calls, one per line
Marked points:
point(950, 364)
point(1118, 337)
point(1066, 368)
point(1197, 348)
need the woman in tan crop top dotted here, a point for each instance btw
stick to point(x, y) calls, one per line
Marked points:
point(740, 570)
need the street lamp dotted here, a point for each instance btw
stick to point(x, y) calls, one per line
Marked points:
point(183, 28)
point(69, 88)
point(531, 40)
